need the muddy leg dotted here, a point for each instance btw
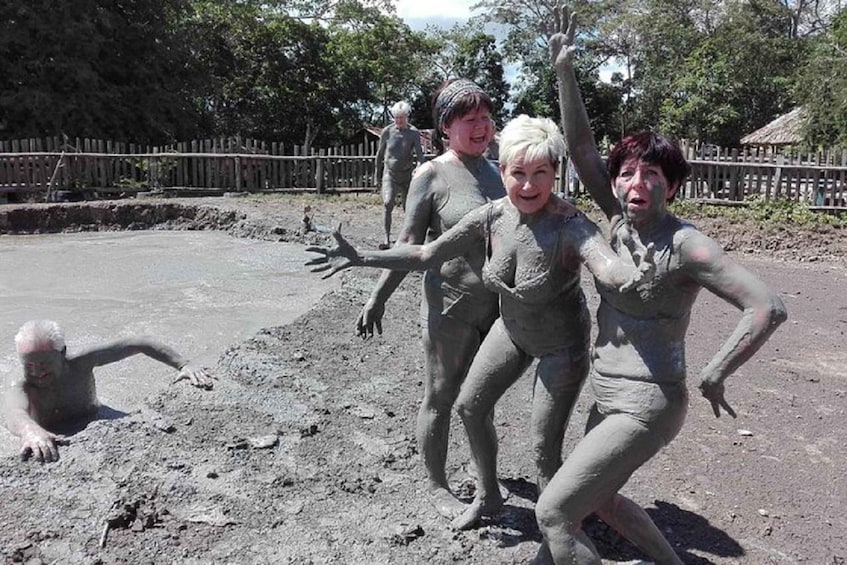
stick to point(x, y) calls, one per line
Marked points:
point(633, 523)
point(449, 347)
point(497, 365)
point(558, 380)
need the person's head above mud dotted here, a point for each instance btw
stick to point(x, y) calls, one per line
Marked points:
point(57, 389)
point(400, 112)
point(462, 113)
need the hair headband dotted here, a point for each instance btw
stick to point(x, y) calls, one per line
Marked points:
point(450, 96)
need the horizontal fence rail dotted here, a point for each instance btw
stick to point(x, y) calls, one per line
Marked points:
point(37, 171)
point(819, 179)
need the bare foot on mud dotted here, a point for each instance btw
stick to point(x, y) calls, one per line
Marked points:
point(478, 509)
point(445, 502)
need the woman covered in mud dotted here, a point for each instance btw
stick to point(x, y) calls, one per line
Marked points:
point(533, 244)
point(638, 360)
point(456, 310)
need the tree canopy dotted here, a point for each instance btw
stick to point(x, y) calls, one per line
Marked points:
point(314, 71)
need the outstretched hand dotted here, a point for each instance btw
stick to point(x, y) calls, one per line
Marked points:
point(41, 445)
point(340, 257)
point(714, 393)
point(643, 257)
point(561, 42)
point(196, 376)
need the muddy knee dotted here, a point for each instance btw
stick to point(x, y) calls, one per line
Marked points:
point(469, 413)
point(552, 515)
point(547, 461)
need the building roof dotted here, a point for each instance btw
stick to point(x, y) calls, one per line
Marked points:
point(786, 129)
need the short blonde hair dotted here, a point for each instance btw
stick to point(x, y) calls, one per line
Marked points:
point(534, 138)
point(401, 108)
point(39, 335)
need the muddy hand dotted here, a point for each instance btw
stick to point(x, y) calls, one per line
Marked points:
point(196, 376)
point(340, 257)
point(370, 316)
point(41, 446)
point(643, 257)
point(561, 42)
point(714, 393)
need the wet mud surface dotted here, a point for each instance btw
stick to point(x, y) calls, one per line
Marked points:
point(304, 452)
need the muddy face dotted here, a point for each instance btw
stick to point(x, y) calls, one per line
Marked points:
point(470, 134)
point(42, 368)
point(528, 184)
point(643, 191)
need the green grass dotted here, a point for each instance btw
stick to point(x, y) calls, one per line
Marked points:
point(768, 212)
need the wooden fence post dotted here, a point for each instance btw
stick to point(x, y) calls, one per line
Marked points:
point(319, 172)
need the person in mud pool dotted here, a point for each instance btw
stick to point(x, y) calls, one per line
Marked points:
point(399, 148)
point(638, 359)
point(456, 308)
point(534, 244)
point(58, 390)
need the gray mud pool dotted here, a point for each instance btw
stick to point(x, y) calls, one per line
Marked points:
point(199, 292)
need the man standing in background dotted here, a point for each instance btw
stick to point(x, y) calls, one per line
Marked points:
point(399, 146)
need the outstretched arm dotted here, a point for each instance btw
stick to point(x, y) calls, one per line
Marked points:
point(452, 243)
point(123, 348)
point(762, 312)
point(35, 441)
point(583, 150)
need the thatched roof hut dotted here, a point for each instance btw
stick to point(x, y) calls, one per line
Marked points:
point(787, 129)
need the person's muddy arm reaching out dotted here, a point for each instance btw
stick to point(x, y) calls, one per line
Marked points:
point(35, 441)
point(582, 148)
point(763, 311)
point(121, 349)
point(452, 243)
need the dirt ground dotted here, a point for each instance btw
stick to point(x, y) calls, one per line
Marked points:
point(304, 452)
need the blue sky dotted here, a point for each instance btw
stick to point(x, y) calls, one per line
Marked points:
point(445, 13)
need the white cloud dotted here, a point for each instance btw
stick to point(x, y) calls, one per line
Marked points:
point(434, 9)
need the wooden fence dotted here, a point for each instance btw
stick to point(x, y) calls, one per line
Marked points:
point(818, 178)
point(38, 169)
point(41, 167)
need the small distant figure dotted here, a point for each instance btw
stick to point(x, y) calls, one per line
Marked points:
point(57, 390)
point(399, 146)
point(307, 220)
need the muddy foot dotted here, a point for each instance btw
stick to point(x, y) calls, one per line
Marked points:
point(446, 503)
point(479, 508)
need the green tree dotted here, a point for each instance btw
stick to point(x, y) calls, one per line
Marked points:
point(96, 69)
point(737, 79)
point(822, 86)
point(466, 51)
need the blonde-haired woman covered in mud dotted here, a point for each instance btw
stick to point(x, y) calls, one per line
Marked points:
point(534, 244)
